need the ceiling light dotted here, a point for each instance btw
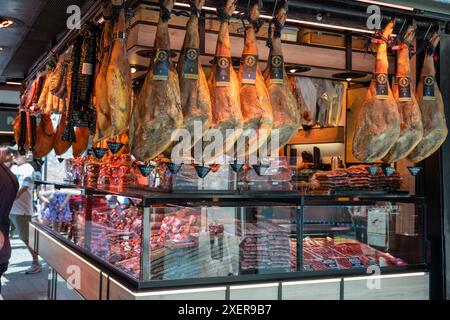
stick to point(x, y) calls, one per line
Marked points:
point(5, 23)
point(390, 5)
point(349, 75)
point(14, 83)
point(136, 68)
point(293, 68)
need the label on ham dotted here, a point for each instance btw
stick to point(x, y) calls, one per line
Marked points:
point(428, 88)
point(190, 68)
point(381, 86)
point(87, 69)
point(249, 68)
point(276, 70)
point(223, 77)
point(161, 65)
point(404, 89)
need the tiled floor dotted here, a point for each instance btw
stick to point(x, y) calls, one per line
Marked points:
point(16, 285)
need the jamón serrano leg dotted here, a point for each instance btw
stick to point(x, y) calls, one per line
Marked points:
point(286, 114)
point(256, 106)
point(378, 122)
point(411, 128)
point(432, 107)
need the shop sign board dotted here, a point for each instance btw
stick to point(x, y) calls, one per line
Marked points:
point(6, 121)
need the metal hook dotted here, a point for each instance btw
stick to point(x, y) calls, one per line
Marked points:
point(402, 36)
point(428, 31)
point(274, 8)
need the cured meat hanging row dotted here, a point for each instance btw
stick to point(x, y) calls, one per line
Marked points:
point(390, 126)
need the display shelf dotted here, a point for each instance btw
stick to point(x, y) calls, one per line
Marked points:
point(150, 197)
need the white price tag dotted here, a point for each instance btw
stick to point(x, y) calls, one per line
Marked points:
point(87, 69)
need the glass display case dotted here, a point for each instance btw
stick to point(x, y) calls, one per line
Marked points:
point(158, 240)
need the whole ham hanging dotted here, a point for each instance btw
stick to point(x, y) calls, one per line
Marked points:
point(431, 105)
point(378, 124)
point(195, 100)
point(83, 113)
point(411, 128)
point(59, 144)
point(103, 123)
point(158, 111)
point(81, 141)
point(118, 79)
point(256, 106)
point(224, 88)
point(45, 135)
point(286, 115)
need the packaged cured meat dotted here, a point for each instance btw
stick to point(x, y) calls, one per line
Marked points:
point(306, 94)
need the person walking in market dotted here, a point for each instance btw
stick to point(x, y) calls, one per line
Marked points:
point(22, 210)
point(8, 191)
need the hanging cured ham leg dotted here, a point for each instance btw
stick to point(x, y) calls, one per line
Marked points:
point(224, 88)
point(378, 123)
point(195, 100)
point(286, 115)
point(158, 111)
point(411, 128)
point(81, 141)
point(255, 100)
point(60, 145)
point(45, 135)
point(118, 80)
point(103, 124)
point(432, 107)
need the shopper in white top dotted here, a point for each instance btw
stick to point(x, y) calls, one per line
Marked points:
point(22, 209)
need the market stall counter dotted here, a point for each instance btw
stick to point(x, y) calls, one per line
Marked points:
point(135, 244)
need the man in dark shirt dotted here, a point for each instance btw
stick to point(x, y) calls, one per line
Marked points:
point(8, 191)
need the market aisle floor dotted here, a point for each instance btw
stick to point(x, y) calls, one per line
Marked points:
point(16, 285)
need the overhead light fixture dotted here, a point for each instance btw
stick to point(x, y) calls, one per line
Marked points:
point(295, 69)
point(14, 83)
point(136, 68)
point(389, 5)
point(148, 53)
point(5, 23)
point(349, 75)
